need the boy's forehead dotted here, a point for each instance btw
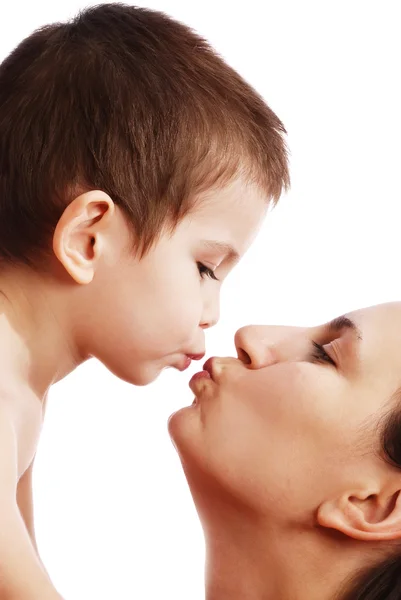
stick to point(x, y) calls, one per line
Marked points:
point(230, 229)
point(237, 206)
point(236, 192)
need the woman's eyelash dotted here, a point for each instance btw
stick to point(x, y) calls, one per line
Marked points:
point(204, 271)
point(319, 354)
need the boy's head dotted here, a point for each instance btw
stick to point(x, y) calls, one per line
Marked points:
point(127, 146)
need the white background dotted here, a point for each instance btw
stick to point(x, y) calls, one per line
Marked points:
point(114, 517)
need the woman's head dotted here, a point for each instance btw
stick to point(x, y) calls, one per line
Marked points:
point(304, 430)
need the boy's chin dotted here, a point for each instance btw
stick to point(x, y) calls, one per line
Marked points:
point(145, 377)
point(139, 376)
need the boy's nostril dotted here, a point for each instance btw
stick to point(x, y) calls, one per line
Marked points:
point(244, 356)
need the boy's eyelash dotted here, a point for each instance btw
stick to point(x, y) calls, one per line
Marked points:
point(204, 271)
point(319, 354)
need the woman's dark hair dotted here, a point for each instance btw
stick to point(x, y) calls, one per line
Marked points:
point(383, 581)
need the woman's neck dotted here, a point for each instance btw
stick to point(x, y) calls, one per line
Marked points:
point(260, 561)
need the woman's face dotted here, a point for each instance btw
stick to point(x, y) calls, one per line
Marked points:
point(297, 419)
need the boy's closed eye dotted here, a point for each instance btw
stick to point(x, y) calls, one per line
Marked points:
point(205, 271)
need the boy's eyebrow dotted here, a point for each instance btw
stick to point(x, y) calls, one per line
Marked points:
point(222, 248)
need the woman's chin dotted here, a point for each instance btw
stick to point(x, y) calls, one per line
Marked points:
point(183, 428)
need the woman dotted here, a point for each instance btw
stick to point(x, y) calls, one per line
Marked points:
point(293, 457)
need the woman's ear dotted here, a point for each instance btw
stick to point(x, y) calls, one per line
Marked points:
point(368, 515)
point(78, 237)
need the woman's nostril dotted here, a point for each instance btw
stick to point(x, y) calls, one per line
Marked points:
point(244, 356)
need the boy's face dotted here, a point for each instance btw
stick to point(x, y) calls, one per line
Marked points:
point(140, 316)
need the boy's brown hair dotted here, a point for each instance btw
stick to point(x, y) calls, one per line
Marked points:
point(129, 101)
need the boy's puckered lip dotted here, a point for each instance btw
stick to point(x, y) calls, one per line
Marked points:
point(196, 356)
point(188, 358)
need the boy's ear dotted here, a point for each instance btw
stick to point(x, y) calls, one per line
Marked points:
point(78, 239)
point(366, 515)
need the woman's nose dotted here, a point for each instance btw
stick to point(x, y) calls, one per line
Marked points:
point(262, 345)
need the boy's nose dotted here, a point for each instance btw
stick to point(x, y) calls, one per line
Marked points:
point(210, 318)
point(211, 313)
point(263, 345)
point(209, 321)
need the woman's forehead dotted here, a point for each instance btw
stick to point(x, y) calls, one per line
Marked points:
point(380, 328)
point(382, 319)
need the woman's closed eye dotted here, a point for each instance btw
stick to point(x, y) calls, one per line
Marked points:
point(204, 271)
point(319, 354)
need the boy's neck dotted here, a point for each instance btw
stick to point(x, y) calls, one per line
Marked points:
point(37, 342)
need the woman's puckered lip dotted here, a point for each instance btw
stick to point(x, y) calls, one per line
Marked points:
point(208, 366)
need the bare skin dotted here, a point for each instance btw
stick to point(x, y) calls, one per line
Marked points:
point(283, 455)
point(22, 572)
point(25, 492)
point(96, 298)
point(21, 417)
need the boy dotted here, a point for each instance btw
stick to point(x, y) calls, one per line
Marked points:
point(135, 170)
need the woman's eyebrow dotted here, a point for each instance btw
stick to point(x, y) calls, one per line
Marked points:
point(345, 322)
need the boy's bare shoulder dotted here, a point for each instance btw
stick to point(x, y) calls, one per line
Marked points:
point(21, 573)
point(20, 424)
point(8, 453)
